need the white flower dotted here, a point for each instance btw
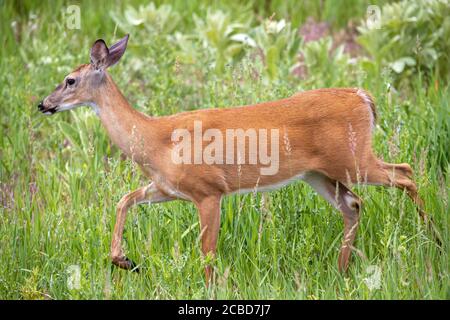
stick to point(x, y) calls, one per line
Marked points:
point(244, 38)
point(274, 26)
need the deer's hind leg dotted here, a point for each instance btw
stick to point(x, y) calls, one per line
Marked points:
point(400, 176)
point(147, 194)
point(209, 212)
point(345, 201)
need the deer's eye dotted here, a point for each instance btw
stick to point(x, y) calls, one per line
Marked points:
point(70, 81)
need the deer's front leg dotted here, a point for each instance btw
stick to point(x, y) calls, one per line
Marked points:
point(209, 211)
point(147, 194)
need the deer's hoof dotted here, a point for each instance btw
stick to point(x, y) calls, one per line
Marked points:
point(125, 263)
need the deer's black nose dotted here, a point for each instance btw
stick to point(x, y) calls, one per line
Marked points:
point(41, 106)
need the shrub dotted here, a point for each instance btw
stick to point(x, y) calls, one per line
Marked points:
point(413, 36)
point(162, 19)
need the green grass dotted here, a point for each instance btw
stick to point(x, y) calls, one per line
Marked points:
point(61, 179)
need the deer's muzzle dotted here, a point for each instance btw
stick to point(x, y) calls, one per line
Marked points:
point(46, 110)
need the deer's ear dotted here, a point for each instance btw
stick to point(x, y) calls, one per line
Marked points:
point(116, 51)
point(99, 54)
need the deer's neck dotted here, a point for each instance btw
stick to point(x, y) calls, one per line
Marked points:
point(129, 129)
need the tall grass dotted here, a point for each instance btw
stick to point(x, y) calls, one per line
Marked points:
point(61, 179)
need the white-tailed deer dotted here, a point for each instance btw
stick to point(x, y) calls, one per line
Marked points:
point(323, 137)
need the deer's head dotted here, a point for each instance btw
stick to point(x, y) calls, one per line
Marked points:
point(81, 85)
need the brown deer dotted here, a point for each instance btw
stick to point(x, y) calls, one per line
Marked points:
point(323, 137)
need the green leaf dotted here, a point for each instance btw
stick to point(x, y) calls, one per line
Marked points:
point(272, 61)
point(399, 65)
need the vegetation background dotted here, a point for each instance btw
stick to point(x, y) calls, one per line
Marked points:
point(60, 177)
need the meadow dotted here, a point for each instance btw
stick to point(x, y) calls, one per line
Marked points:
point(61, 177)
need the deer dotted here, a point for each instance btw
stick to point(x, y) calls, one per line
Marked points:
point(328, 132)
